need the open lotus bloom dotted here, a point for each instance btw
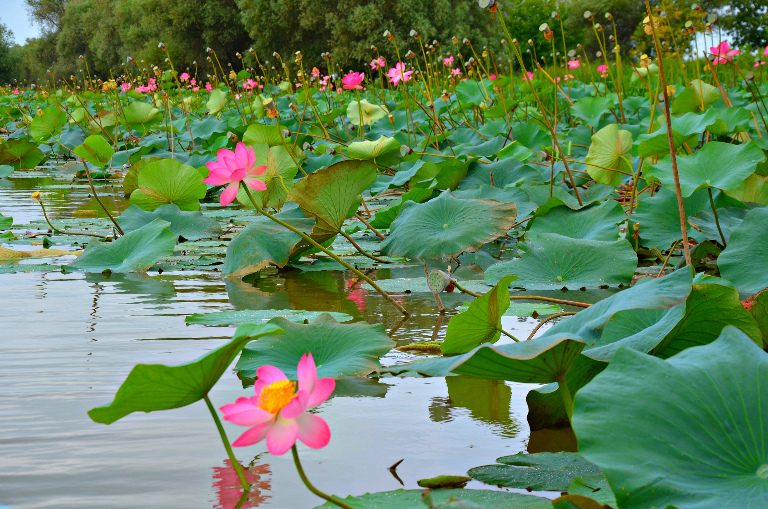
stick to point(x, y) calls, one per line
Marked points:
point(398, 74)
point(231, 168)
point(723, 53)
point(278, 412)
point(353, 80)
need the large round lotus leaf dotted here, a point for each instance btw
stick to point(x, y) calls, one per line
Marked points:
point(371, 112)
point(332, 194)
point(384, 151)
point(260, 315)
point(168, 181)
point(338, 349)
point(720, 165)
point(261, 133)
point(133, 252)
point(544, 471)
point(206, 127)
point(696, 97)
point(153, 387)
point(96, 150)
point(592, 109)
point(264, 242)
point(48, 124)
point(20, 154)
point(454, 498)
point(659, 218)
point(549, 261)
point(610, 148)
point(190, 225)
point(480, 323)
point(281, 170)
point(598, 222)
point(216, 102)
point(754, 189)
point(729, 219)
point(745, 259)
point(684, 128)
point(139, 113)
point(447, 226)
point(692, 427)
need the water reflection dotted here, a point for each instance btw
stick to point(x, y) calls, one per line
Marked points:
point(229, 491)
point(488, 402)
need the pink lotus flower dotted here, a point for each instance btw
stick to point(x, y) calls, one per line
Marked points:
point(209, 87)
point(278, 413)
point(528, 77)
point(456, 72)
point(566, 77)
point(378, 63)
point(231, 168)
point(195, 89)
point(315, 72)
point(603, 70)
point(492, 77)
point(398, 73)
point(758, 64)
point(184, 77)
point(574, 64)
point(193, 82)
point(766, 51)
point(448, 61)
point(723, 53)
point(125, 86)
point(352, 81)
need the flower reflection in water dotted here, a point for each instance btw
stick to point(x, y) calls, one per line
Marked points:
point(229, 491)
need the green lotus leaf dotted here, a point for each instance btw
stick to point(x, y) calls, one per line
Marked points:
point(20, 153)
point(47, 125)
point(544, 471)
point(597, 222)
point(339, 350)
point(281, 170)
point(610, 148)
point(550, 261)
point(446, 226)
point(5, 170)
point(754, 189)
point(139, 113)
point(5, 222)
point(697, 420)
point(595, 487)
point(96, 150)
point(206, 127)
point(697, 98)
point(385, 216)
point(371, 112)
point(384, 151)
point(131, 180)
point(153, 387)
point(480, 323)
point(684, 129)
point(445, 499)
point(332, 194)
point(473, 92)
point(260, 315)
point(189, 225)
point(168, 181)
point(216, 102)
point(136, 251)
point(744, 261)
point(592, 109)
point(264, 242)
point(262, 133)
point(705, 168)
point(729, 219)
point(759, 311)
point(446, 174)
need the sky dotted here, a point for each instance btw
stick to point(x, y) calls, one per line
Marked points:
point(13, 14)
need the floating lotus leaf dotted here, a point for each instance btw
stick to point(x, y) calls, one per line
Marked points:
point(260, 315)
point(544, 471)
point(598, 222)
point(168, 181)
point(20, 153)
point(96, 150)
point(592, 109)
point(47, 125)
point(445, 499)
point(339, 350)
point(189, 225)
point(447, 226)
point(697, 420)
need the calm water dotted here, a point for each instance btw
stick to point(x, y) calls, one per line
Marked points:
point(69, 340)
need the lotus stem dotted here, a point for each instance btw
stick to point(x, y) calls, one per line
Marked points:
point(235, 464)
point(329, 498)
point(565, 393)
point(547, 319)
point(717, 219)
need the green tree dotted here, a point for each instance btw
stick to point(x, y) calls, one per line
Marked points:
point(9, 64)
point(746, 20)
point(47, 13)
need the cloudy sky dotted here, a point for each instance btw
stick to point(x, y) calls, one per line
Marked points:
point(13, 14)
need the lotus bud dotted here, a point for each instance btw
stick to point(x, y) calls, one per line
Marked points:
point(414, 34)
point(162, 46)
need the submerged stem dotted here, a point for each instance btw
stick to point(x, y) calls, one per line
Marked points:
point(235, 464)
point(309, 485)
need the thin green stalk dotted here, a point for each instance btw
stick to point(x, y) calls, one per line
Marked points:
point(316, 245)
point(309, 485)
point(235, 464)
point(717, 219)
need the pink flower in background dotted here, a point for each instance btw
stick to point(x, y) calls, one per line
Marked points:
point(378, 63)
point(249, 84)
point(574, 64)
point(603, 70)
point(456, 72)
point(398, 73)
point(492, 77)
point(231, 168)
point(528, 77)
point(195, 89)
point(352, 81)
point(315, 72)
point(16, 92)
point(566, 77)
point(766, 51)
point(299, 85)
point(723, 53)
point(125, 86)
point(193, 82)
point(152, 81)
point(209, 87)
point(184, 76)
point(448, 61)
point(279, 413)
point(758, 64)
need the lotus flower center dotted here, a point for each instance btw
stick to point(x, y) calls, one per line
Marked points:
point(274, 397)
